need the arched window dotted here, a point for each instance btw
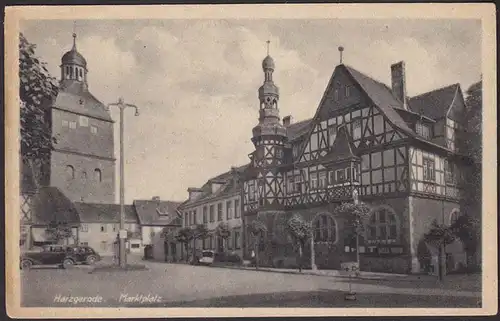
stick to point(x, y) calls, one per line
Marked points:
point(454, 215)
point(383, 225)
point(325, 228)
point(98, 175)
point(70, 172)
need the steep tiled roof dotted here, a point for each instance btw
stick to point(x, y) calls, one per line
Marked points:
point(229, 186)
point(342, 148)
point(382, 96)
point(96, 212)
point(159, 213)
point(434, 104)
point(293, 131)
point(69, 98)
point(50, 204)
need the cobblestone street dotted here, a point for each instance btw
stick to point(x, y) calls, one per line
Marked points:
point(169, 285)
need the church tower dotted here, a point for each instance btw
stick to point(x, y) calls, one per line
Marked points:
point(82, 163)
point(269, 138)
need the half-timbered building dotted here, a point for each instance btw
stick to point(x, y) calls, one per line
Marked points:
point(401, 154)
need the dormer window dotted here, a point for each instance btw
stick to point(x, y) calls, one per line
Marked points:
point(423, 130)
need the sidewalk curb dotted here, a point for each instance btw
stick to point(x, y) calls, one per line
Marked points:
point(308, 272)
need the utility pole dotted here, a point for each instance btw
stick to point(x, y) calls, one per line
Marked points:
point(123, 233)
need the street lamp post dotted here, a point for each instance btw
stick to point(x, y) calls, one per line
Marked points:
point(123, 233)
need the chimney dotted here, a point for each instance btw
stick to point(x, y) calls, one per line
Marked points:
point(398, 79)
point(194, 192)
point(287, 120)
point(235, 175)
point(156, 198)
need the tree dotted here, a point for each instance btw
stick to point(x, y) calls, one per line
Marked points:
point(474, 107)
point(256, 229)
point(356, 215)
point(37, 89)
point(199, 232)
point(300, 231)
point(184, 236)
point(439, 236)
point(223, 232)
point(59, 231)
point(465, 229)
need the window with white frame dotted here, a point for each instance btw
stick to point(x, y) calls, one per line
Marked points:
point(331, 177)
point(429, 169)
point(313, 178)
point(356, 129)
point(251, 191)
point(298, 183)
point(229, 210)
point(454, 215)
point(322, 179)
point(340, 175)
point(325, 228)
point(332, 134)
point(65, 123)
point(383, 226)
point(290, 184)
point(423, 130)
point(347, 91)
point(84, 121)
point(236, 208)
point(449, 172)
point(93, 129)
point(355, 174)
point(72, 124)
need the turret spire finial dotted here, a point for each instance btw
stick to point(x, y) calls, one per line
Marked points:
point(268, 42)
point(341, 49)
point(74, 35)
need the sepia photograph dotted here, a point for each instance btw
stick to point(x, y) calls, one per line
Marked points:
point(239, 162)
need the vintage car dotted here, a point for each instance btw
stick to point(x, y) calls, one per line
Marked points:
point(207, 258)
point(61, 255)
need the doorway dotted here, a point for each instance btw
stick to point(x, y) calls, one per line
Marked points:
point(173, 252)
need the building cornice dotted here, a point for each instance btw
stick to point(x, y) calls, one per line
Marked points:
point(83, 114)
point(65, 151)
point(208, 200)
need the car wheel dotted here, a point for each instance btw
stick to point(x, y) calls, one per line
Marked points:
point(68, 263)
point(91, 260)
point(26, 264)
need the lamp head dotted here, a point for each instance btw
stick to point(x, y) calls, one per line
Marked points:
point(136, 112)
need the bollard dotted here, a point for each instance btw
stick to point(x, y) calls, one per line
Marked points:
point(350, 296)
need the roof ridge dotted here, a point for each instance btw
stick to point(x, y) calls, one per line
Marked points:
point(435, 90)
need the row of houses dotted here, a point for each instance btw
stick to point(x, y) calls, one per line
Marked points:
point(91, 224)
point(403, 156)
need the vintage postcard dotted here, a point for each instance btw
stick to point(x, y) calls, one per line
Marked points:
point(264, 160)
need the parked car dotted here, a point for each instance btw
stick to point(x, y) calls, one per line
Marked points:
point(61, 255)
point(207, 257)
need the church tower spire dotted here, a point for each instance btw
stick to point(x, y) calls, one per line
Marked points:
point(73, 67)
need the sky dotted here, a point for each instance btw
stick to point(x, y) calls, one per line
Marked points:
point(195, 81)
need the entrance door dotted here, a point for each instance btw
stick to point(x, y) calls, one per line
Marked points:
point(165, 251)
point(220, 244)
point(173, 252)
